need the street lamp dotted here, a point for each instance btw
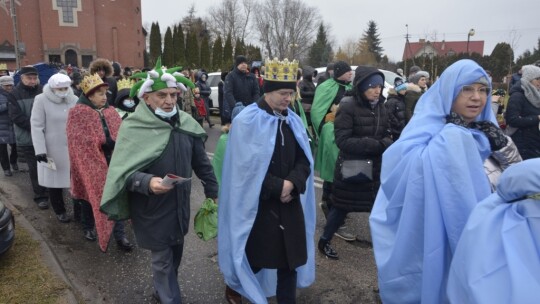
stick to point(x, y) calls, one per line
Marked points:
point(471, 33)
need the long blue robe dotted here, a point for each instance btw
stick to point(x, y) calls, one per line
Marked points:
point(497, 259)
point(431, 179)
point(247, 157)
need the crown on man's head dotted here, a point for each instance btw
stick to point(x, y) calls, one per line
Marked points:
point(91, 82)
point(283, 71)
point(125, 84)
point(3, 67)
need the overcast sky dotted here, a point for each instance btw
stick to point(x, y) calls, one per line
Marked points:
point(515, 22)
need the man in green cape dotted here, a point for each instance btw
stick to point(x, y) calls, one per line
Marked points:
point(325, 103)
point(158, 140)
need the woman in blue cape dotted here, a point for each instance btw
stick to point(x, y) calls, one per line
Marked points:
point(497, 259)
point(431, 179)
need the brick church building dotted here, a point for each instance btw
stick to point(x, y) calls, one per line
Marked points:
point(73, 32)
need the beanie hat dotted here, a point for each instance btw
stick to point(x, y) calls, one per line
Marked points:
point(6, 80)
point(59, 81)
point(240, 59)
point(280, 75)
point(530, 72)
point(416, 77)
point(27, 70)
point(482, 80)
point(414, 69)
point(117, 70)
point(158, 79)
point(374, 80)
point(340, 68)
point(399, 84)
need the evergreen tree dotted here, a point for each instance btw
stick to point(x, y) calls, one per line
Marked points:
point(227, 54)
point(217, 54)
point(372, 42)
point(192, 51)
point(155, 43)
point(239, 48)
point(205, 53)
point(179, 46)
point(253, 52)
point(168, 49)
point(320, 52)
point(500, 61)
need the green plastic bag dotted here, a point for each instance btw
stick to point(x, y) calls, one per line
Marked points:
point(206, 220)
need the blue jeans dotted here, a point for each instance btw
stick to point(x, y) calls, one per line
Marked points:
point(336, 218)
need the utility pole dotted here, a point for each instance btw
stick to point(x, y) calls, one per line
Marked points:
point(15, 34)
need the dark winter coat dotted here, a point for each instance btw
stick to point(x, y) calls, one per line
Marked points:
point(521, 114)
point(362, 132)
point(268, 245)
point(21, 101)
point(307, 88)
point(395, 109)
point(7, 136)
point(205, 90)
point(239, 87)
point(162, 220)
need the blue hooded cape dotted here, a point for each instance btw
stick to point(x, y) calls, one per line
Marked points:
point(431, 179)
point(247, 156)
point(497, 259)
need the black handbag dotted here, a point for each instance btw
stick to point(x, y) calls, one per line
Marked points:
point(357, 170)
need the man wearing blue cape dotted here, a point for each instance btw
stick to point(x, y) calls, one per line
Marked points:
point(431, 179)
point(266, 211)
point(497, 259)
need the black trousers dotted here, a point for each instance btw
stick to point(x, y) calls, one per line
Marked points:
point(40, 193)
point(88, 221)
point(286, 285)
point(6, 159)
point(56, 196)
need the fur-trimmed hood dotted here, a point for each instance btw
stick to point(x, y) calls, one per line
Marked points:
point(101, 64)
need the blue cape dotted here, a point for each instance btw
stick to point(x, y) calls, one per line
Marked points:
point(497, 259)
point(431, 179)
point(248, 154)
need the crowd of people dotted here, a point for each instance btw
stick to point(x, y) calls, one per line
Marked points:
point(428, 162)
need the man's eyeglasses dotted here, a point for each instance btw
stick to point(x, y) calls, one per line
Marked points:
point(468, 91)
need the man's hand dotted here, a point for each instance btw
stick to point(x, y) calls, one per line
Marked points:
point(156, 187)
point(288, 187)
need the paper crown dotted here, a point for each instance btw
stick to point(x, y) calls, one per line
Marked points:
point(91, 82)
point(3, 67)
point(159, 78)
point(125, 84)
point(283, 71)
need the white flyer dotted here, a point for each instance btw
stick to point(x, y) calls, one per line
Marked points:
point(50, 164)
point(171, 180)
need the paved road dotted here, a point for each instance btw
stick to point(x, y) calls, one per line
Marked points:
point(118, 277)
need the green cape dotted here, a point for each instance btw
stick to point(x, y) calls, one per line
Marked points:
point(327, 153)
point(141, 140)
point(324, 96)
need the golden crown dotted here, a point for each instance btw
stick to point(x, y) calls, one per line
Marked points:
point(3, 66)
point(286, 71)
point(91, 82)
point(125, 84)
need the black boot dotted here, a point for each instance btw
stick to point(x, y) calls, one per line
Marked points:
point(327, 250)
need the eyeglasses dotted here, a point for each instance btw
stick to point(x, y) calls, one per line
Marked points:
point(468, 91)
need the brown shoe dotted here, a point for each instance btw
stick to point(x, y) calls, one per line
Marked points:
point(232, 296)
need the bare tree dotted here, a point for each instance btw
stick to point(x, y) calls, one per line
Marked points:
point(231, 17)
point(286, 27)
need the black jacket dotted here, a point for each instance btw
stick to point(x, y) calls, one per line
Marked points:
point(6, 126)
point(239, 87)
point(395, 108)
point(21, 102)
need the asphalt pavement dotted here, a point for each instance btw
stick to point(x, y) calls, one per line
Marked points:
point(120, 277)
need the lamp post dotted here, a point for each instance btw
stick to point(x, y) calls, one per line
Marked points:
point(471, 33)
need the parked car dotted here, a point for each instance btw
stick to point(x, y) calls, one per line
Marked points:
point(389, 78)
point(213, 81)
point(7, 228)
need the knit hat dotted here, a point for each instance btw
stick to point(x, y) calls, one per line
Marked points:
point(117, 70)
point(280, 75)
point(91, 83)
point(240, 59)
point(414, 69)
point(416, 77)
point(28, 70)
point(6, 80)
point(530, 72)
point(158, 79)
point(340, 68)
point(482, 80)
point(374, 80)
point(399, 84)
point(59, 81)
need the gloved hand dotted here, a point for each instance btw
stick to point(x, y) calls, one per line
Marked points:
point(456, 119)
point(496, 137)
point(386, 142)
point(41, 158)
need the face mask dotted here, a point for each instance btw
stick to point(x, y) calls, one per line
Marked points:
point(164, 114)
point(129, 103)
point(61, 94)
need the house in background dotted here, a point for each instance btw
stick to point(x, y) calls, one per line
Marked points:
point(425, 48)
point(73, 32)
